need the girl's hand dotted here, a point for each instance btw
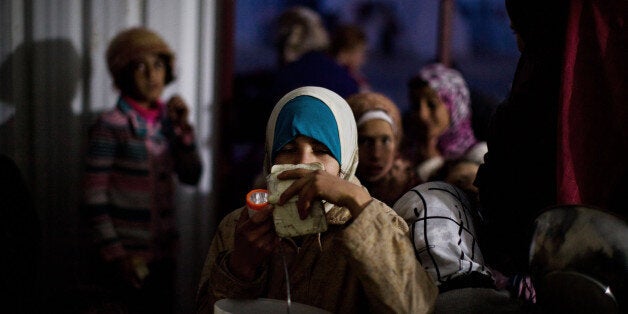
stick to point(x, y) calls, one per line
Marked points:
point(178, 111)
point(255, 239)
point(321, 185)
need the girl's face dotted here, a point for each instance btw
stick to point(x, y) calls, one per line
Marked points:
point(429, 112)
point(304, 150)
point(377, 150)
point(149, 77)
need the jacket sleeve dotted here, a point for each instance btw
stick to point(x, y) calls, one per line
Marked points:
point(100, 157)
point(378, 246)
point(217, 282)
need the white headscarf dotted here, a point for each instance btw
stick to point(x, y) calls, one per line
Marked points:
point(442, 230)
point(345, 121)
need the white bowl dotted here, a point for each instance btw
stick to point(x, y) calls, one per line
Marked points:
point(261, 305)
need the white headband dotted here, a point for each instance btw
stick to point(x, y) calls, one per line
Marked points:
point(375, 114)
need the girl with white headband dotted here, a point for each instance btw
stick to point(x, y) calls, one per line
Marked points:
point(363, 263)
point(382, 170)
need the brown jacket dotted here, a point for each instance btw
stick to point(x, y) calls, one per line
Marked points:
point(361, 266)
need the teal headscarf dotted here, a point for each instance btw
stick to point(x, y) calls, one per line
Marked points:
point(307, 116)
point(318, 113)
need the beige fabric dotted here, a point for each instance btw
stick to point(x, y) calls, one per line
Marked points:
point(363, 265)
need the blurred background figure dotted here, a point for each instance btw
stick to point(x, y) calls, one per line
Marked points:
point(134, 151)
point(299, 30)
point(349, 46)
point(381, 169)
point(439, 121)
point(302, 42)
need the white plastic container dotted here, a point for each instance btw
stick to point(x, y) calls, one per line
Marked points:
point(256, 306)
point(286, 217)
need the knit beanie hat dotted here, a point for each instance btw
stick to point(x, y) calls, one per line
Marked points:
point(132, 42)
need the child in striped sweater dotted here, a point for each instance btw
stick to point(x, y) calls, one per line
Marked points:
point(134, 151)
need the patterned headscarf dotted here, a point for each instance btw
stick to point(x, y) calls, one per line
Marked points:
point(442, 231)
point(453, 92)
point(280, 129)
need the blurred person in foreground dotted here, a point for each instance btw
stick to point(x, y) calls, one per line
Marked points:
point(560, 138)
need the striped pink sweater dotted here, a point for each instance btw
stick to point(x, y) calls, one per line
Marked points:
point(129, 183)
